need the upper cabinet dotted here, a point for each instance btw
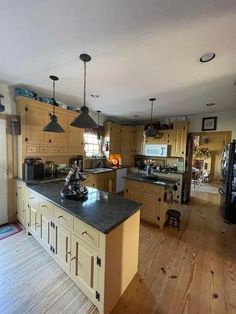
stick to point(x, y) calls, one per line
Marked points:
point(139, 139)
point(35, 120)
point(179, 139)
point(113, 137)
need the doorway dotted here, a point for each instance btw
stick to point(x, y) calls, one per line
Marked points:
point(207, 151)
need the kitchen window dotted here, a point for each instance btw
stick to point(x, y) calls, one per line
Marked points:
point(91, 144)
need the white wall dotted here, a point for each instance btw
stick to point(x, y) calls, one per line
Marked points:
point(226, 121)
point(9, 104)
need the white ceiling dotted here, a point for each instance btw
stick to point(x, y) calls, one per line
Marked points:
point(139, 49)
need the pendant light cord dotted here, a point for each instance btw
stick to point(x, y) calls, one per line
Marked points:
point(151, 111)
point(53, 95)
point(84, 83)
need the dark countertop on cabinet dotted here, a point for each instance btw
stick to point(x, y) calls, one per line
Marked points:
point(152, 179)
point(103, 211)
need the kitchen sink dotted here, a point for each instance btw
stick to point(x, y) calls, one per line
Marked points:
point(98, 170)
point(150, 177)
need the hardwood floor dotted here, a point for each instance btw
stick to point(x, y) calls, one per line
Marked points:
point(188, 271)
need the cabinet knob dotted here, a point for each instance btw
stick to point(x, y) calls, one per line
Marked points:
point(72, 258)
point(50, 141)
point(60, 216)
point(84, 232)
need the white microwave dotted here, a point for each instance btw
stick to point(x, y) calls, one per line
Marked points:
point(156, 150)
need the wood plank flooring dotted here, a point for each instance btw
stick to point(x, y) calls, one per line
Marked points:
point(188, 271)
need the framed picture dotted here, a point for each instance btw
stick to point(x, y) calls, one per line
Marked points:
point(209, 124)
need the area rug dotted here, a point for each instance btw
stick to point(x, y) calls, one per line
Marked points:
point(7, 230)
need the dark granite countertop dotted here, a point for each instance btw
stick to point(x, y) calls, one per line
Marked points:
point(103, 211)
point(164, 171)
point(152, 179)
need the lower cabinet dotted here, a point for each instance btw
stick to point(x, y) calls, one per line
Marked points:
point(153, 199)
point(20, 202)
point(84, 266)
point(101, 265)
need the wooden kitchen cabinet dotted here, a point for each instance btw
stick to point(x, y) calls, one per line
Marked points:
point(35, 120)
point(75, 136)
point(128, 142)
point(59, 139)
point(153, 198)
point(34, 223)
point(139, 139)
point(113, 137)
point(20, 202)
point(84, 266)
point(179, 141)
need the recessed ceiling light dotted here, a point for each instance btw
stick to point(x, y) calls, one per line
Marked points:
point(210, 104)
point(207, 57)
point(94, 95)
point(136, 115)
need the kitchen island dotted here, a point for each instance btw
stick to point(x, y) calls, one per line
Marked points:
point(93, 240)
point(154, 192)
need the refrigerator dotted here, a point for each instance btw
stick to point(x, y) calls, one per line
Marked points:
point(228, 187)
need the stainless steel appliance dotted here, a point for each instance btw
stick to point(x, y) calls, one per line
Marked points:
point(156, 150)
point(228, 188)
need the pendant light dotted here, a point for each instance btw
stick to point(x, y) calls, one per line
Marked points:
point(2, 108)
point(151, 132)
point(84, 120)
point(53, 125)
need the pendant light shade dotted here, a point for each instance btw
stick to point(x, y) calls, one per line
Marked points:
point(53, 125)
point(151, 131)
point(84, 120)
point(2, 108)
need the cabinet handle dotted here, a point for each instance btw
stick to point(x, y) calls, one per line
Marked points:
point(159, 199)
point(84, 232)
point(126, 190)
point(32, 197)
point(37, 225)
point(50, 141)
point(60, 216)
point(43, 205)
point(72, 258)
point(68, 253)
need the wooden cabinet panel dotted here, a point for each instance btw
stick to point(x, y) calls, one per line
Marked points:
point(36, 120)
point(35, 221)
point(75, 136)
point(62, 246)
point(59, 138)
point(151, 206)
point(87, 233)
point(84, 270)
point(20, 203)
point(179, 142)
point(139, 139)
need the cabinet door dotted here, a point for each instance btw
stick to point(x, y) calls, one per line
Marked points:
point(179, 140)
point(62, 246)
point(127, 139)
point(59, 138)
point(45, 218)
point(150, 208)
point(115, 140)
point(36, 120)
point(84, 269)
point(35, 221)
point(20, 203)
point(75, 135)
point(139, 139)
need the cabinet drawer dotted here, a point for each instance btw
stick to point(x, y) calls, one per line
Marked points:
point(31, 149)
point(152, 188)
point(46, 207)
point(33, 200)
point(86, 232)
point(62, 149)
point(133, 185)
point(53, 149)
point(43, 149)
point(62, 217)
point(74, 149)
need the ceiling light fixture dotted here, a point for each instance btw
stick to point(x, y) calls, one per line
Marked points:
point(2, 108)
point(53, 125)
point(151, 132)
point(210, 104)
point(207, 57)
point(84, 120)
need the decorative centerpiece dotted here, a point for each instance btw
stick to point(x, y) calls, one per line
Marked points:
point(73, 189)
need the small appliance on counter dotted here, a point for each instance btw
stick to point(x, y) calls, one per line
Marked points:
point(73, 189)
point(33, 169)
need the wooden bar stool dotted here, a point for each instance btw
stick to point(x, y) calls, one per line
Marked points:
point(173, 218)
